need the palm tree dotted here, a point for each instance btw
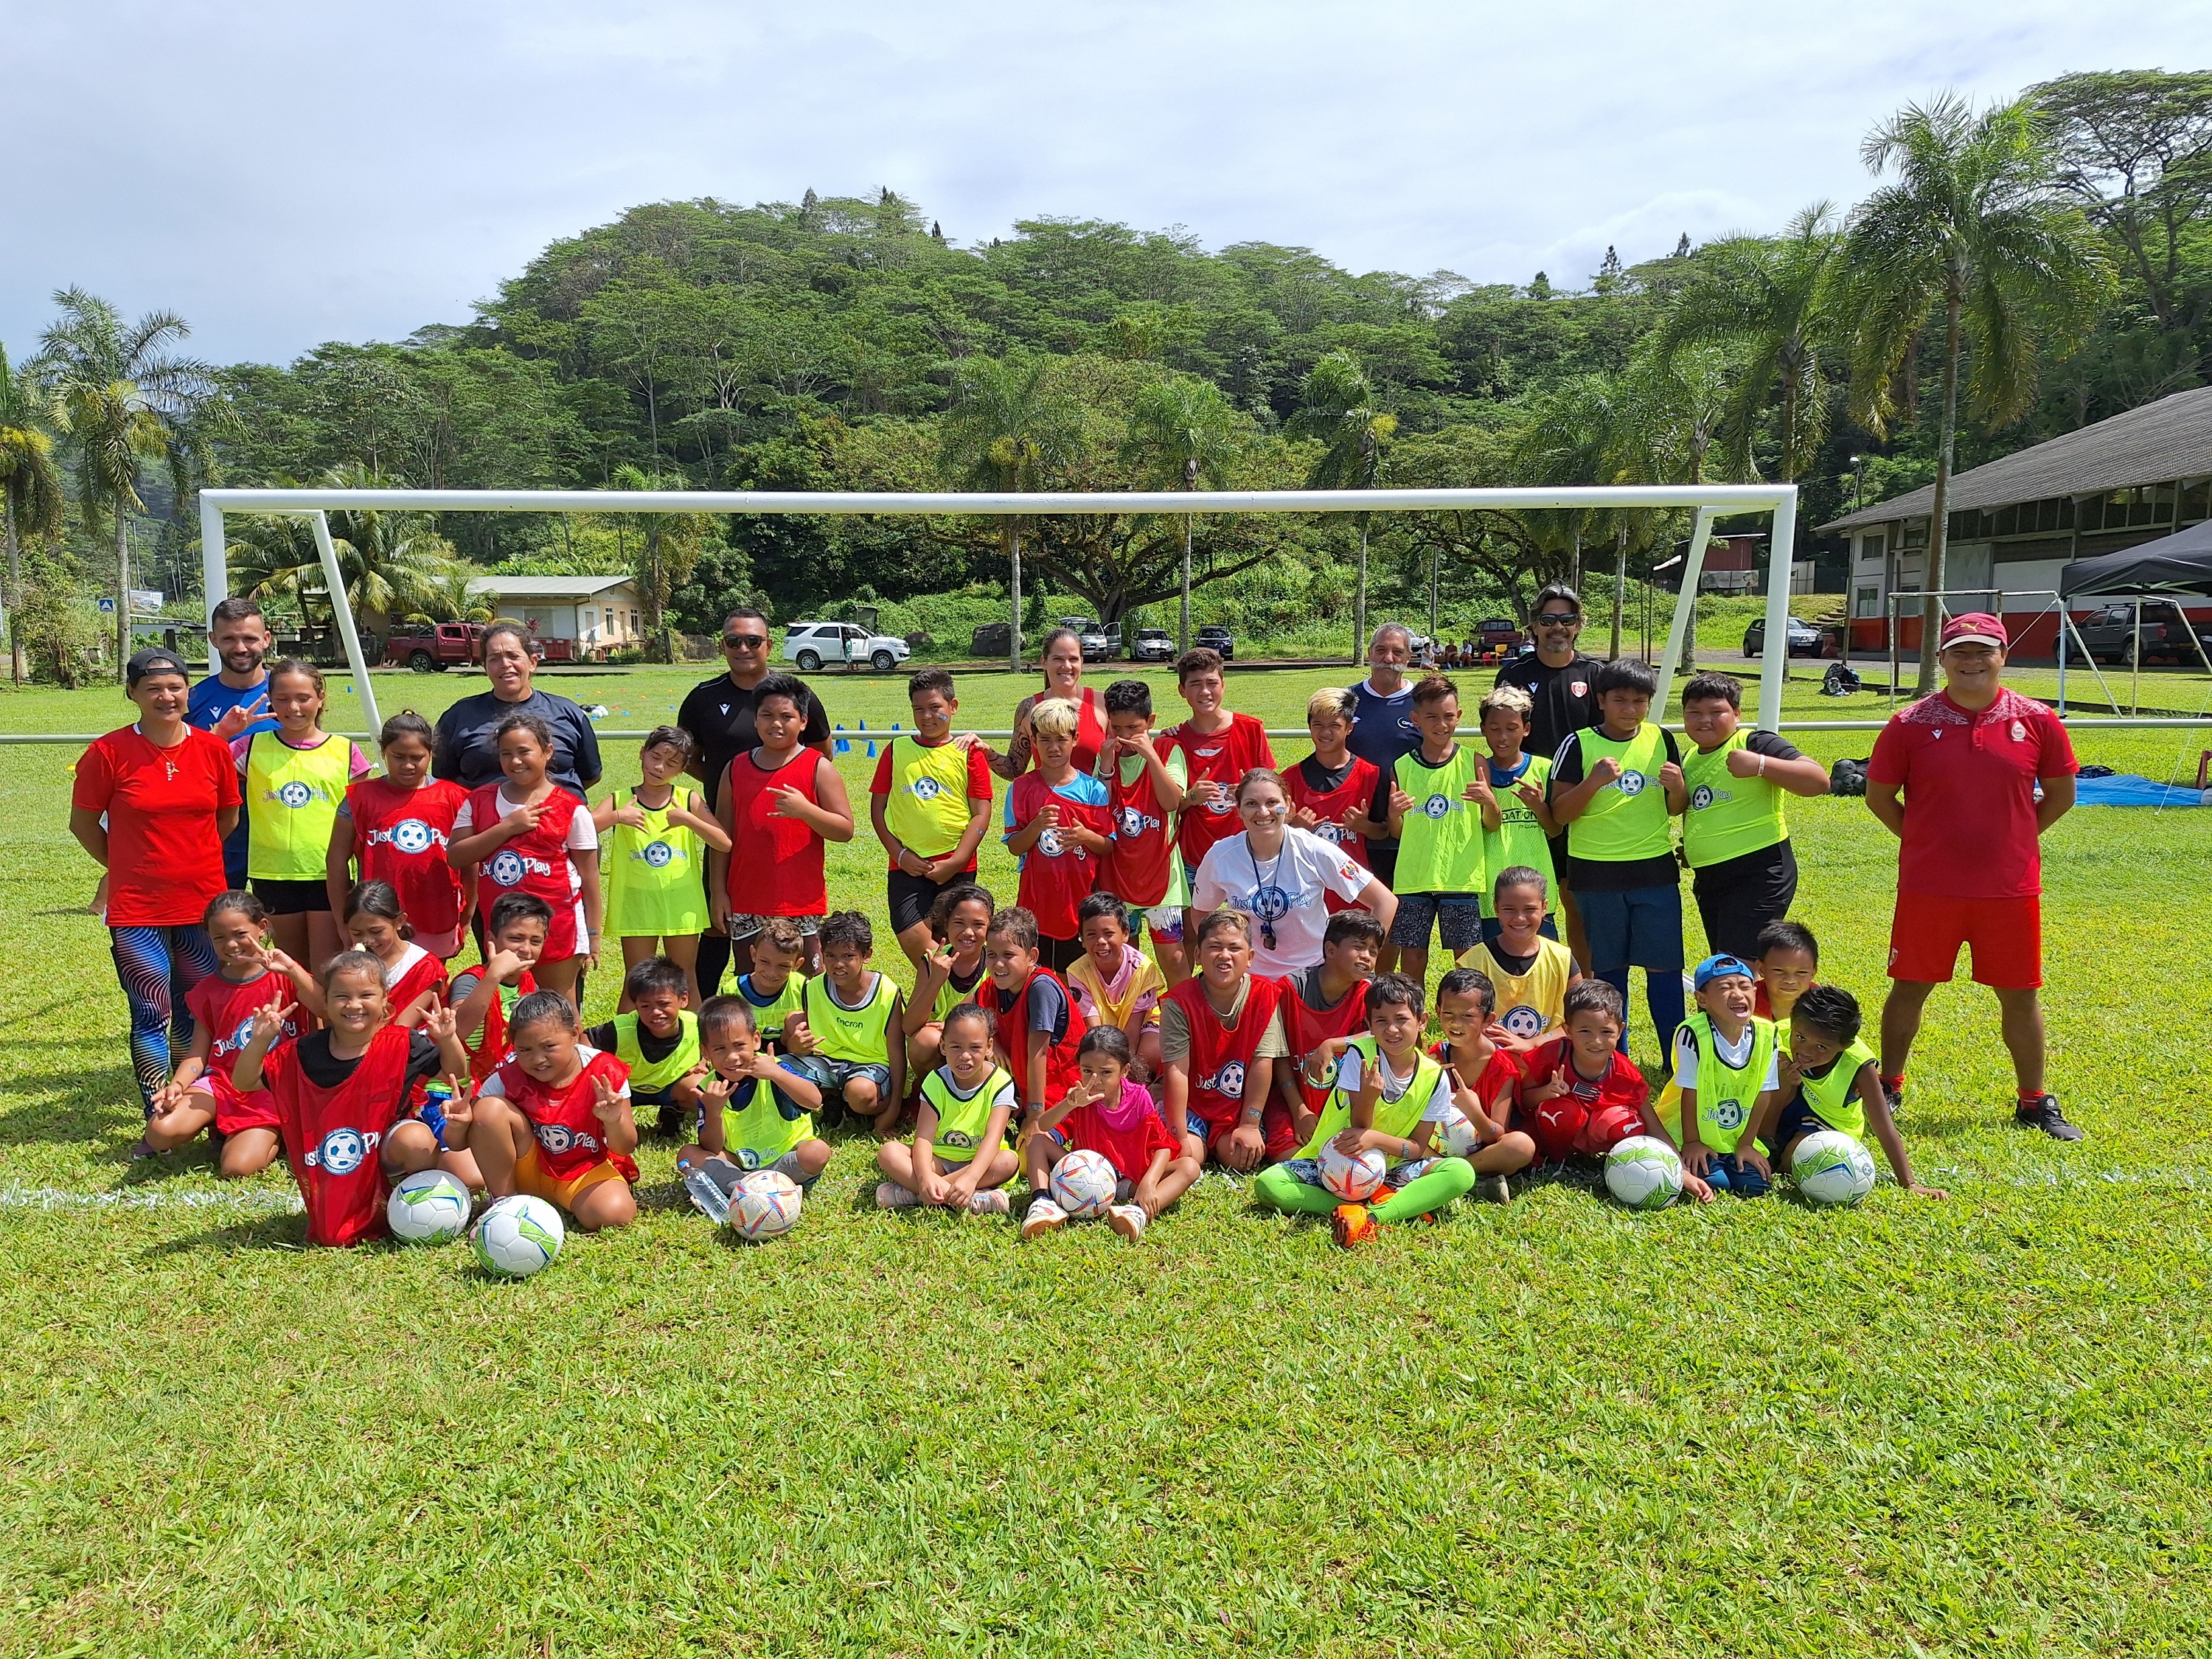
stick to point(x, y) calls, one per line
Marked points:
point(123, 399)
point(391, 563)
point(1773, 300)
point(668, 547)
point(1006, 425)
point(1571, 438)
point(30, 490)
point(1338, 406)
point(448, 598)
point(1973, 233)
point(1184, 430)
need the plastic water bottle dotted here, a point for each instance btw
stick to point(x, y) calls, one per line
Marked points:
point(712, 1201)
point(436, 1097)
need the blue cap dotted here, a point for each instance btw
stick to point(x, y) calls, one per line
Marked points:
point(1721, 967)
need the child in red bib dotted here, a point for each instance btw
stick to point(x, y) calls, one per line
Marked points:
point(1034, 1023)
point(413, 978)
point(1466, 1002)
point(1327, 1000)
point(399, 829)
point(514, 937)
point(1060, 823)
point(1218, 747)
point(1579, 1096)
point(1108, 1112)
point(1220, 1036)
point(555, 1120)
point(531, 836)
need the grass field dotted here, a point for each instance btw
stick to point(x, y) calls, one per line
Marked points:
point(1973, 1427)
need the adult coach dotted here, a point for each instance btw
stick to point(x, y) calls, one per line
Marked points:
point(151, 804)
point(233, 701)
point(1062, 662)
point(1558, 679)
point(1383, 729)
point(719, 714)
point(1969, 865)
point(468, 732)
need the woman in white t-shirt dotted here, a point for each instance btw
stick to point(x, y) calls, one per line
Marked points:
point(1278, 876)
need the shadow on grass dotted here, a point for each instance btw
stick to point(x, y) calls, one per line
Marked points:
point(277, 1231)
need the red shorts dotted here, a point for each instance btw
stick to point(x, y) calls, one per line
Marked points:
point(2006, 934)
point(1564, 1127)
point(234, 1109)
point(1275, 1125)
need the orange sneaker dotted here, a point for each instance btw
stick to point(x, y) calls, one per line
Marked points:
point(1353, 1225)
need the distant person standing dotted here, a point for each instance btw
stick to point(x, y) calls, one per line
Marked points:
point(1967, 762)
point(233, 701)
point(1560, 680)
point(1383, 729)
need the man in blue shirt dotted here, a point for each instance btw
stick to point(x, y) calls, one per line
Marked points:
point(235, 699)
point(1383, 729)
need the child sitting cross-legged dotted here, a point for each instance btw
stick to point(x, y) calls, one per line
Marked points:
point(1830, 1080)
point(1726, 1068)
point(1466, 1009)
point(755, 1112)
point(658, 1040)
point(1108, 1113)
point(1579, 1096)
point(555, 1120)
point(959, 1158)
point(1389, 1096)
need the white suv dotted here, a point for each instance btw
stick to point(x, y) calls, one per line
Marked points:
point(812, 644)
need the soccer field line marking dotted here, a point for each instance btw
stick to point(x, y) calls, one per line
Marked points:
point(16, 1197)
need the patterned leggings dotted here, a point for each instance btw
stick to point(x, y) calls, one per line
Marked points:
point(157, 966)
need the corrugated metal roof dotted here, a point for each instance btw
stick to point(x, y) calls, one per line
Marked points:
point(2157, 443)
point(545, 587)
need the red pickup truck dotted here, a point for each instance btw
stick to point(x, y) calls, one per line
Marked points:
point(427, 650)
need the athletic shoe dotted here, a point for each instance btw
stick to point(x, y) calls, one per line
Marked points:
point(1044, 1216)
point(2042, 1113)
point(1352, 1225)
point(993, 1202)
point(889, 1195)
point(1493, 1189)
point(1894, 1099)
point(670, 1123)
point(1128, 1220)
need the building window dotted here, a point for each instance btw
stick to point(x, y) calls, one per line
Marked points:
point(1874, 549)
point(1916, 534)
point(610, 622)
point(633, 622)
point(1867, 602)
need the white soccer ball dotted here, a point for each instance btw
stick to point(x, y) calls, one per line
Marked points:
point(1832, 1169)
point(1644, 1172)
point(428, 1207)
point(1457, 1136)
point(518, 1235)
point(765, 1205)
point(1352, 1177)
point(1084, 1183)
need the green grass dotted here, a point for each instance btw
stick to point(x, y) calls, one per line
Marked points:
point(1977, 1427)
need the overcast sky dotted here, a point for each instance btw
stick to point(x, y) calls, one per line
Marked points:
point(283, 174)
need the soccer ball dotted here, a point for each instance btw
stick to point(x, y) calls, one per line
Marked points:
point(1352, 1177)
point(1830, 1168)
point(1084, 1183)
point(765, 1205)
point(428, 1207)
point(1457, 1136)
point(1644, 1173)
point(518, 1235)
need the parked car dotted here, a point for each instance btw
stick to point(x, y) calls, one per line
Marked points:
point(450, 644)
point(1100, 642)
point(2109, 635)
point(1214, 637)
point(1805, 639)
point(1499, 634)
point(1152, 645)
point(813, 645)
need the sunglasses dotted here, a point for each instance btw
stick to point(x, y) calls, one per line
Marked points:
point(1558, 619)
point(744, 642)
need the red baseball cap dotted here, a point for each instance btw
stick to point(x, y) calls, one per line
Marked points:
point(1975, 628)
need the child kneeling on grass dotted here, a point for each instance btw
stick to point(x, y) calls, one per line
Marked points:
point(341, 1095)
point(755, 1112)
point(848, 1036)
point(1389, 1096)
point(658, 1041)
point(1579, 1096)
point(1726, 1068)
point(555, 1120)
point(959, 1158)
point(1830, 1080)
point(1110, 1113)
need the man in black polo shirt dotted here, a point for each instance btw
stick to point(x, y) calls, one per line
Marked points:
point(719, 715)
point(1558, 679)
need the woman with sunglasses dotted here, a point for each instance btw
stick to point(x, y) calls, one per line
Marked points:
point(720, 714)
point(1279, 876)
point(1062, 663)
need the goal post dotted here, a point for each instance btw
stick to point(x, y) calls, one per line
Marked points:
point(1707, 502)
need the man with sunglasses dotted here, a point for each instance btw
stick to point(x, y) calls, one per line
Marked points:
point(719, 715)
point(1558, 679)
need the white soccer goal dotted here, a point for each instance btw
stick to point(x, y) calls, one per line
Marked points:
point(1708, 501)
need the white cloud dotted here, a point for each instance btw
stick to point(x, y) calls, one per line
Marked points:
point(285, 174)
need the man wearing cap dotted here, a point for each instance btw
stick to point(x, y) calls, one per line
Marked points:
point(1967, 762)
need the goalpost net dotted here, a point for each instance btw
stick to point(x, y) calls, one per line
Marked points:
point(1707, 502)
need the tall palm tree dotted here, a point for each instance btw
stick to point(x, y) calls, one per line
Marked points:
point(1182, 431)
point(1571, 437)
point(1006, 425)
point(1973, 241)
point(30, 489)
point(448, 598)
point(668, 547)
point(1338, 405)
point(123, 399)
point(392, 563)
point(1772, 299)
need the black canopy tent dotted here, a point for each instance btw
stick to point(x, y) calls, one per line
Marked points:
point(2180, 563)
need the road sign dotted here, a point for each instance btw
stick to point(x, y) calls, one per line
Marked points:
point(108, 607)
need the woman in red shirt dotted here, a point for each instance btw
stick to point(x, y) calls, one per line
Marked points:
point(1062, 662)
point(152, 803)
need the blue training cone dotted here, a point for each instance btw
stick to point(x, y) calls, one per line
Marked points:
point(872, 742)
point(843, 747)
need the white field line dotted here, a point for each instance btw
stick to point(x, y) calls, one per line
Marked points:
point(17, 1197)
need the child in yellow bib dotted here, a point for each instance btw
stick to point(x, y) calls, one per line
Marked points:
point(653, 839)
point(293, 780)
point(1726, 1083)
point(958, 1157)
point(1830, 1080)
point(755, 1112)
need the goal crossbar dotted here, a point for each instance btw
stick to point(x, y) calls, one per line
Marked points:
point(1708, 501)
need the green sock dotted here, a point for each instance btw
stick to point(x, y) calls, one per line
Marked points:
point(1452, 1178)
point(1279, 1189)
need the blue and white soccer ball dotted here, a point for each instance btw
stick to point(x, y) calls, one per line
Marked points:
point(1644, 1172)
point(1084, 1183)
point(518, 1236)
point(428, 1207)
point(1354, 1178)
point(765, 1205)
point(1831, 1170)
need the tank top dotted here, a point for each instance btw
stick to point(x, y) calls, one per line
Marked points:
point(1219, 1058)
point(564, 1120)
point(952, 992)
point(656, 1077)
point(928, 808)
point(1398, 1113)
point(400, 836)
point(776, 863)
point(1728, 1095)
point(1728, 816)
point(536, 861)
point(858, 1036)
point(333, 1137)
point(292, 799)
point(1440, 840)
point(1140, 865)
point(1305, 1029)
point(224, 1009)
point(962, 1119)
point(490, 1052)
point(1355, 794)
point(1090, 729)
point(1010, 1017)
point(768, 1012)
point(416, 972)
point(1519, 840)
point(653, 870)
point(1834, 1099)
point(761, 1124)
point(1627, 820)
point(1056, 875)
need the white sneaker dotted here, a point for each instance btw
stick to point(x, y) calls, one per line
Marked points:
point(1044, 1216)
point(889, 1195)
point(993, 1202)
point(1128, 1220)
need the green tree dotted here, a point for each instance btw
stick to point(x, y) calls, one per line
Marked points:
point(30, 490)
point(667, 548)
point(1338, 407)
point(1973, 240)
point(122, 400)
point(1184, 431)
point(1007, 423)
point(392, 564)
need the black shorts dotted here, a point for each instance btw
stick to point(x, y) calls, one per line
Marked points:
point(913, 897)
point(1384, 861)
point(1739, 897)
point(291, 898)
